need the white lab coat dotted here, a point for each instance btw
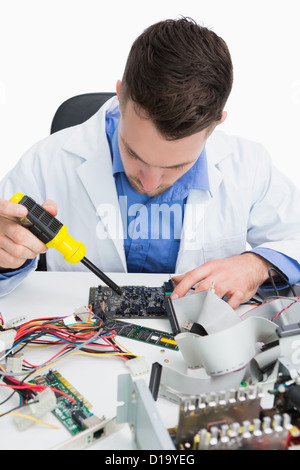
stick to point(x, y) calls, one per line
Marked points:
point(250, 201)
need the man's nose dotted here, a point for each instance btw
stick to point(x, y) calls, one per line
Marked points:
point(150, 178)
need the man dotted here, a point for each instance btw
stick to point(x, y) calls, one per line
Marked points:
point(149, 185)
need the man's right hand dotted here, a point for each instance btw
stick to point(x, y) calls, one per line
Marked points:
point(17, 243)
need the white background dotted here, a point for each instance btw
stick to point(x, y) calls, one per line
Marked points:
point(51, 50)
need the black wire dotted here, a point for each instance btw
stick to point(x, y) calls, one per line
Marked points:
point(25, 393)
point(272, 281)
point(17, 408)
point(282, 276)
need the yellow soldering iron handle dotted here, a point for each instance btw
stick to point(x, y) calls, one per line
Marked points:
point(49, 230)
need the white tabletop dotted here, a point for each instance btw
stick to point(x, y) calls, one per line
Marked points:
point(59, 294)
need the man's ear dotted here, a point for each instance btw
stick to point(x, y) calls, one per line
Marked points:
point(118, 89)
point(224, 116)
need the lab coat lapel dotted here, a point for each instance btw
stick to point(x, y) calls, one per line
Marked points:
point(192, 237)
point(95, 173)
point(217, 148)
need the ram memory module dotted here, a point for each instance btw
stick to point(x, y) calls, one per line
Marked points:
point(142, 333)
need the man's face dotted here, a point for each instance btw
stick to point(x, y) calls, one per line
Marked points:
point(152, 164)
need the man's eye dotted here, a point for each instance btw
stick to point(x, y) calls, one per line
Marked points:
point(131, 155)
point(178, 168)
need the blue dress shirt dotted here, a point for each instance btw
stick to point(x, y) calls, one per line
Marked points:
point(152, 225)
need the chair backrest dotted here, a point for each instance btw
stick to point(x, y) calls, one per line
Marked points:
point(78, 109)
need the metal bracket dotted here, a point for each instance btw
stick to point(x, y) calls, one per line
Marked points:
point(139, 411)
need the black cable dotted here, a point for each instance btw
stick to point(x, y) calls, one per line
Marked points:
point(18, 407)
point(282, 276)
point(195, 328)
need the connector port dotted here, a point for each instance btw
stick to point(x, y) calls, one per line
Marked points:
point(98, 434)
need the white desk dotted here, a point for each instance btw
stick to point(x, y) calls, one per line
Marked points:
point(58, 294)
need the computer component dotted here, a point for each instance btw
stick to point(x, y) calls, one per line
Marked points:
point(96, 429)
point(216, 409)
point(139, 411)
point(71, 415)
point(136, 301)
point(259, 434)
point(142, 333)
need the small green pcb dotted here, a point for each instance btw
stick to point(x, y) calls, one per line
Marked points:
point(142, 333)
point(70, 414)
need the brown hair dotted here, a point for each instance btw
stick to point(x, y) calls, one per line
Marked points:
point(180, 75)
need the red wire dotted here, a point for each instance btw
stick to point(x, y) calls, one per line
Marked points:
point(281, 311)
point(37, 388)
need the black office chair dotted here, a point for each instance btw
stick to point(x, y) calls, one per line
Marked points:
point(75, 110)
point(78, 109)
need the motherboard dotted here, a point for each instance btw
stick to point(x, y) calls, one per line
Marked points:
point(136, 301)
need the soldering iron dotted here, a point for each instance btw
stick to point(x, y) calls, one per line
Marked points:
point(54, 234)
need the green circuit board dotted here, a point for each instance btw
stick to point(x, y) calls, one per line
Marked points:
point(69, 414)
point(142, 333)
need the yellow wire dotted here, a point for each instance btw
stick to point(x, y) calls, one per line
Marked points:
point(128, 353)
point(123, 347)
point(85, 354)
point(33, 419)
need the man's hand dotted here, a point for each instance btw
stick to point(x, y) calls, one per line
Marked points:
point(17, 244)
point(237, 278)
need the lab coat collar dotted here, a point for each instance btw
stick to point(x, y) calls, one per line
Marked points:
point(88, 139)
point(90, 142)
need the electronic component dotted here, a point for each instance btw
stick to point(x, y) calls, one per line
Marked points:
point(13, 322)
point(138, 366)
point(216, 409)
point(286, 393)
point(142, 333)
point(14, 363)
point(195, 328)
point(175, 328)
point(96, 429)
point(136, 302)
point(54, 234)
point(71, 415)
point(259, 434)
point(231, 420)
point(43, 402)
point(155, 379)
point(7, 338)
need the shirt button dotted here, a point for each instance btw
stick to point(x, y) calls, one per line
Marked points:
point(139, 247)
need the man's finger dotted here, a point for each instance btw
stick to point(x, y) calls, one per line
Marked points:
point(10, 209)
point(236, 299)
point(50, 206)
point(187, 281)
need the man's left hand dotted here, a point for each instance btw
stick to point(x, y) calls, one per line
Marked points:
point(237, 278)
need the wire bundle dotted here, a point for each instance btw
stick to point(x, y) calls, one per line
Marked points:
point(79, 337)
point(70, 334)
